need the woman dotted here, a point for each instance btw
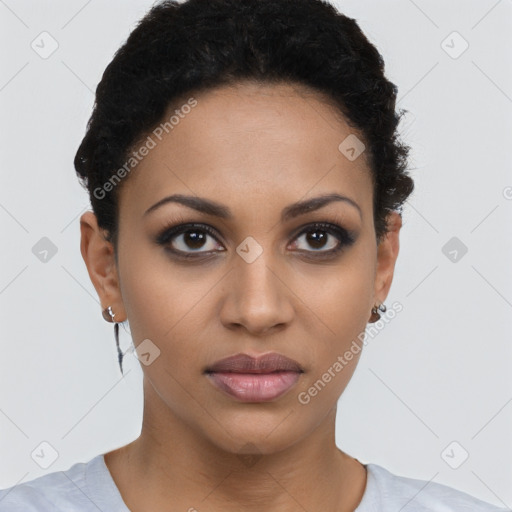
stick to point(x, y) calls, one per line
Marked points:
point(246, 183)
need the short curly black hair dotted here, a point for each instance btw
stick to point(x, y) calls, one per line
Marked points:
point(186, 47)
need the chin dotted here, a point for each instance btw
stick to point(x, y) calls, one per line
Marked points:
point(257, 434)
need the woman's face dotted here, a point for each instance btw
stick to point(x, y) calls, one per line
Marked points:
point(252, 281)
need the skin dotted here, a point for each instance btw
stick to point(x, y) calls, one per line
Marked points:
point(256, 149)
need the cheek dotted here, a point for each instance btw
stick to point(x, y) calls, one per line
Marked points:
point(152, 291)
point(339, 297)
point(341, 307)
point(335, 354)
point(165, 303)
point(322, 389)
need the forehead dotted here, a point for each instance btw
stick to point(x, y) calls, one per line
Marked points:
point(247, 139)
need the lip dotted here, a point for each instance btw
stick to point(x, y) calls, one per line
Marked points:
point(255, 379)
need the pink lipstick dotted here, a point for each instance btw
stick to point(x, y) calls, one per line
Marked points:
point(255, 379)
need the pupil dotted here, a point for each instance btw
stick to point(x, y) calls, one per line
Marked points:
point(314, 240)
point(194, 240)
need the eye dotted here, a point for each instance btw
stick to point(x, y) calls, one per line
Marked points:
point(324, 238)
point(192, 239)
point(183, 238)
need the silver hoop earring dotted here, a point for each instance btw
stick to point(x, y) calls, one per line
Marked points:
point(109, 315)
point(375, 317)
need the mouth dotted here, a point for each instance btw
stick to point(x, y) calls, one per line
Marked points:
point(255, 379)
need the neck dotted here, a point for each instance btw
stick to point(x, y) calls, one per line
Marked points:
point(172, 467)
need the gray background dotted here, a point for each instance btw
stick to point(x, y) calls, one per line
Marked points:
point(438, 373)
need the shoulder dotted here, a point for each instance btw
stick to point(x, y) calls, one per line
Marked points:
point(387, 491)
point(53, 492)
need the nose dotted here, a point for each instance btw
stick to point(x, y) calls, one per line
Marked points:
point(257, 298)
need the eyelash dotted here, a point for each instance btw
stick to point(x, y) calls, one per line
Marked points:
point(345, 237)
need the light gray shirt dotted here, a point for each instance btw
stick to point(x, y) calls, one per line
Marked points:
point(89, 487)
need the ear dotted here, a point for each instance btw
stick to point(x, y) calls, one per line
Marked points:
point(98, 254)
point(387, 254)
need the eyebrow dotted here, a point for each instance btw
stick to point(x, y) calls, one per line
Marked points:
point(212, 208)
